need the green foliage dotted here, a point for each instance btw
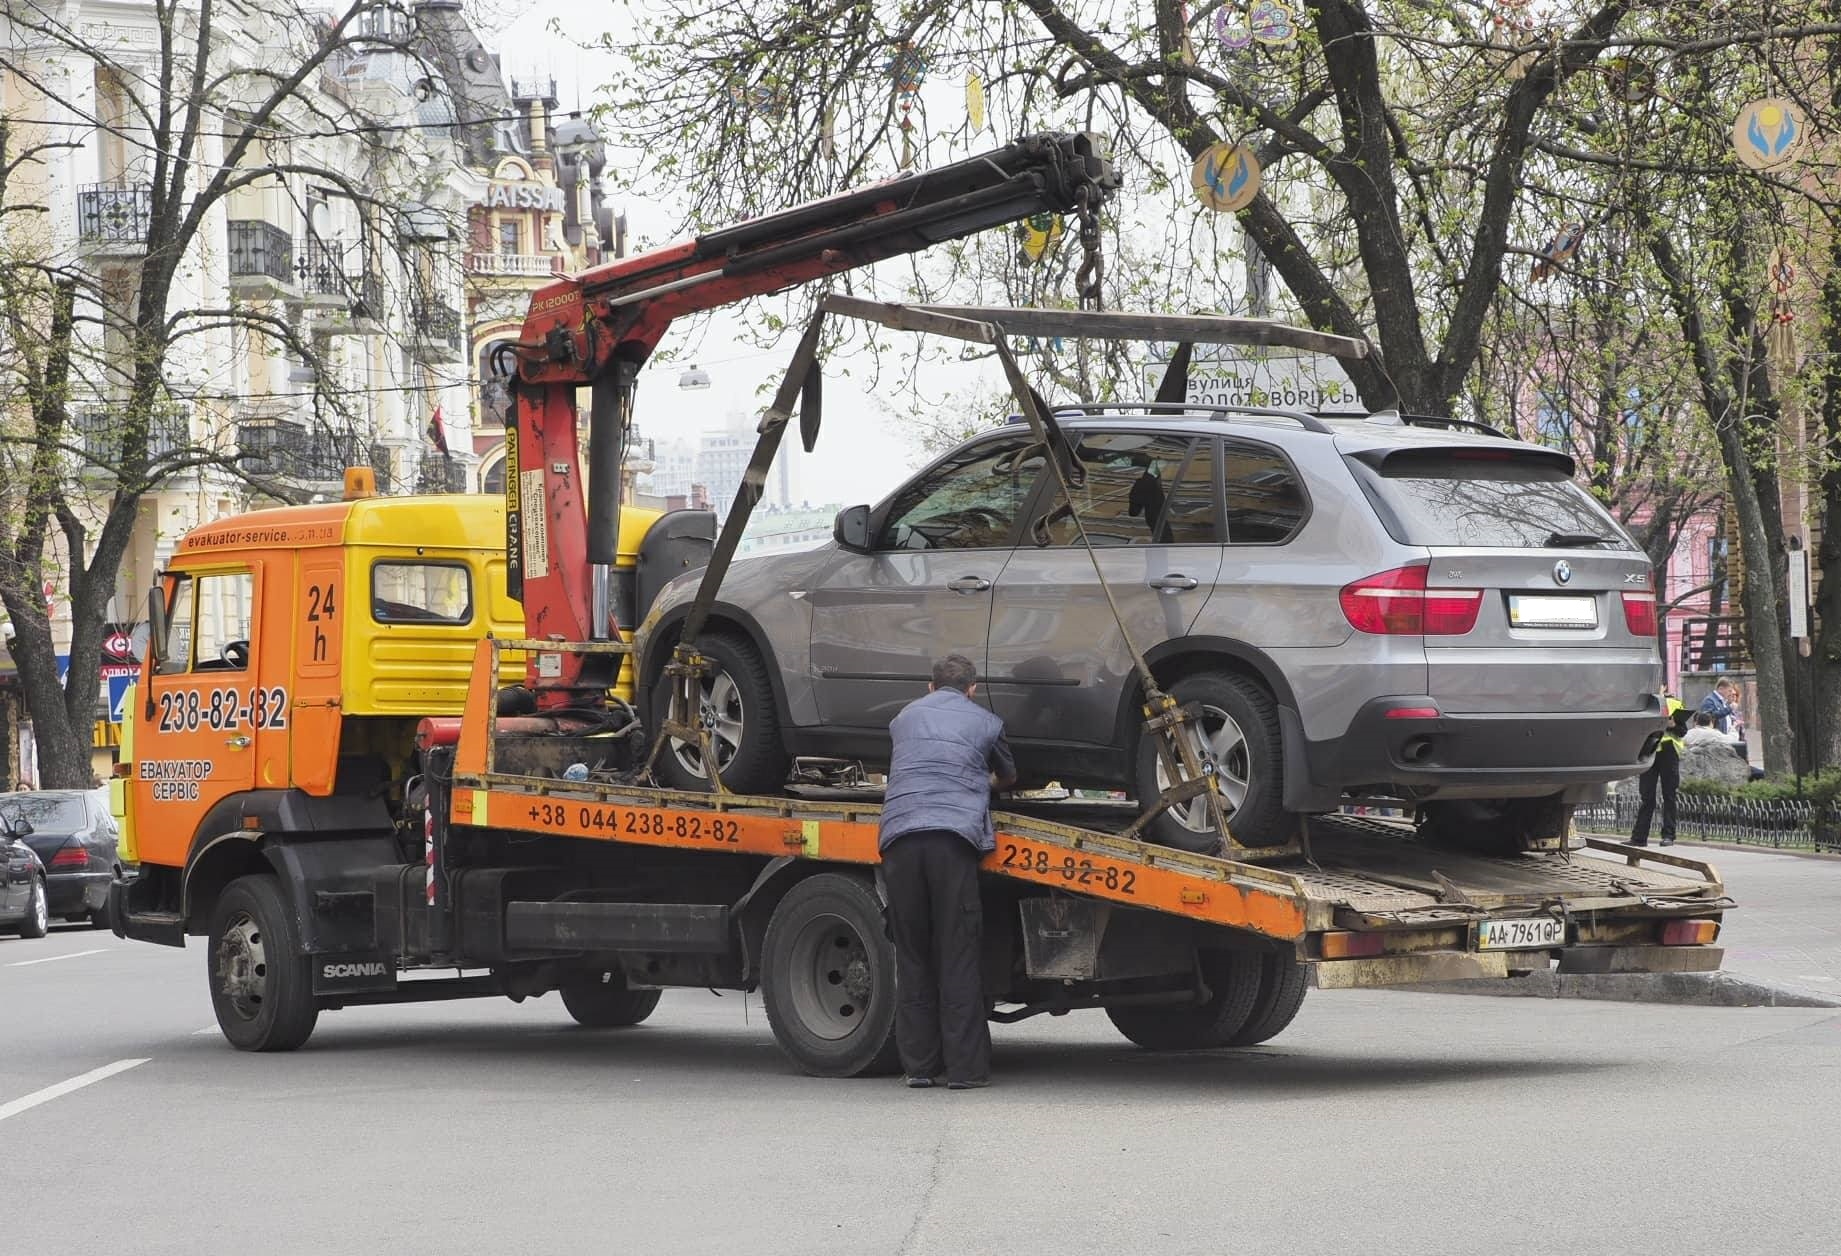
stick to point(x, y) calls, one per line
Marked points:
point(1822, 788)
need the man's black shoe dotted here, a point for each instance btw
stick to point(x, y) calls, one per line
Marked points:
point(918, 1083)
point(978, 1084)
point(1668, 841)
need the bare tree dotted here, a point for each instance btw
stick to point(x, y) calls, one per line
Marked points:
point(214, 100)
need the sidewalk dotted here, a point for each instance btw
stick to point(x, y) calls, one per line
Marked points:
point(1786, 929)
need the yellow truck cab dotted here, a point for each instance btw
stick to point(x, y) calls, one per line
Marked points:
point(292, 653)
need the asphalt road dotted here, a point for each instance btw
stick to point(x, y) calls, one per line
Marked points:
point(1380, 1122)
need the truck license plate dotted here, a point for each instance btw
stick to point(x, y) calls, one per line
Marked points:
point(1520, 935)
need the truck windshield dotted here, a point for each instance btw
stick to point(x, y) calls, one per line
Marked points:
point(1490, 500)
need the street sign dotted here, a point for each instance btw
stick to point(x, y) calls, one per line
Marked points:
point(1267, 380)
point(118, 696)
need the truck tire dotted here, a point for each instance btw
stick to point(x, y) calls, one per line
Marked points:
point(1240, 721)
point(261, 981)
point(1282, 986)
point(828, 978)
point(738, 708)
point(601, 1000)
point(36, 923)
point(1233, 980)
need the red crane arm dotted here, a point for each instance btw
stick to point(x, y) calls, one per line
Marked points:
point(599, 327)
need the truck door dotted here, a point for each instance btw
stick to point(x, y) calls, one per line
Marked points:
point(203, 709)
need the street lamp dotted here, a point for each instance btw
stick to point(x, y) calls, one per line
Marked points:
point(695, 379)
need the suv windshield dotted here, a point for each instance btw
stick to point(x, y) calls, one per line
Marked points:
point(1488, 499)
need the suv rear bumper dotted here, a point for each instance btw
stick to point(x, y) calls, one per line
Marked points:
point(1490, 754)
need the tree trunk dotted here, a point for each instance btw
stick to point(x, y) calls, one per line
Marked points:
point(63, 745)
point(1759, 598)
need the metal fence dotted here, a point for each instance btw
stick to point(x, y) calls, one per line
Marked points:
point(1785, 823)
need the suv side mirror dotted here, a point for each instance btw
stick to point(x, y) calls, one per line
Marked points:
point(852, 528)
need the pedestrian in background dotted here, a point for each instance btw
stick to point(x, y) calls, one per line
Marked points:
point(949, 753)
point(1664, 774)
point(1722, 703)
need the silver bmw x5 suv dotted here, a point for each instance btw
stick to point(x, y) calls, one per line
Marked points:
point(1362, 609)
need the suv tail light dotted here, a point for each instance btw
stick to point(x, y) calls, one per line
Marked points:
point(70, 857)
point(1640, 614)
point(1397, 602)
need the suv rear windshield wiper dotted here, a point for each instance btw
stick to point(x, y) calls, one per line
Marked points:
point(1576, 540)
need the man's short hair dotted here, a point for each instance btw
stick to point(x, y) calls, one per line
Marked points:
point(955, 671)
point(1703, 719)
point(1728, 684)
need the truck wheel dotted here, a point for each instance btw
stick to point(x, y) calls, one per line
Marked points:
point(1240, 729)
point(601, 1000)
point(1233, 984)
point(737, 707)
point(261, 982)
point(828, 978)
point(1282, 986)
point(37, 921)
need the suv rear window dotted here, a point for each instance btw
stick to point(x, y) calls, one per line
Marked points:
point(1485, 498)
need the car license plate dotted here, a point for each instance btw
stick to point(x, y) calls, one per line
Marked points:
point(1528, 934)
point(1526, 611)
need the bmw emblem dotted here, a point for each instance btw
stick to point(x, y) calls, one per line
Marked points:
point(1562, 572)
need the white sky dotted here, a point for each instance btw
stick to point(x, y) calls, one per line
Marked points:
point(860, 455)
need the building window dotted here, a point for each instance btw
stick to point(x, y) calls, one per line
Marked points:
point(508, 238)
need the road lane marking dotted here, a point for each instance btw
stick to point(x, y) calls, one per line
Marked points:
point(208, 1029)
point(52, 959)
point(28, 1102)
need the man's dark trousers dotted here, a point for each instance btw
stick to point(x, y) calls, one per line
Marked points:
point(1666, 772)
point(937, 921)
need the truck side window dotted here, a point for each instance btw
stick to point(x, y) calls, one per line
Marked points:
point(176, 650)
point(220, 630)
point(421, 593)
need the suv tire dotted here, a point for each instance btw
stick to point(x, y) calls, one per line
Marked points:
point(1250, 762)
point(738, 697)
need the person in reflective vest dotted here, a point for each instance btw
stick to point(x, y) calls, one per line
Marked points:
point(1665, 773)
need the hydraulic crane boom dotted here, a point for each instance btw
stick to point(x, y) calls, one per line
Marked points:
point(599, 327)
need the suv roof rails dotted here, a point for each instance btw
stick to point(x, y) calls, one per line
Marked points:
point(1308, 422)
point(1436, 420)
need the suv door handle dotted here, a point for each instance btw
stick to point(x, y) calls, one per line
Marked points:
point(969, 584)
point(1175, 582)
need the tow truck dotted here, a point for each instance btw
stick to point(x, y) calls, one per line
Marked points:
point(494, 830)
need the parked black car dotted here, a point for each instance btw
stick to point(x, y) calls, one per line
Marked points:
point(75, 839)
point(23, 907)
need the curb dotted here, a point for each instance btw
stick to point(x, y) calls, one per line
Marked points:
point(1689, 989)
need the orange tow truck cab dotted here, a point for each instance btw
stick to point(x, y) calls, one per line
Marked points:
point(293, 652)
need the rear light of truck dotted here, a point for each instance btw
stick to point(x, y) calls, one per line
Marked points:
point(70, 857)
point(1338, 944)
point(1397, 602)
point(1690, 932)
point(1640, 614)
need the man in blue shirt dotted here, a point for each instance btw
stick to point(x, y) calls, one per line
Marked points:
point(949, 753)
point(1722, 704)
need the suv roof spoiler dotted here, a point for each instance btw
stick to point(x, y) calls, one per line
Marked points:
point(1394, 417)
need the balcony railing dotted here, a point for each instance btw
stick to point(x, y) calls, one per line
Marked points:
point(538, 264)
point(436, 322)
point(1713, 644)
point(261, 250)
point(323, 268)
point(115, 215)
point(98, 428)
point(275, 447)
